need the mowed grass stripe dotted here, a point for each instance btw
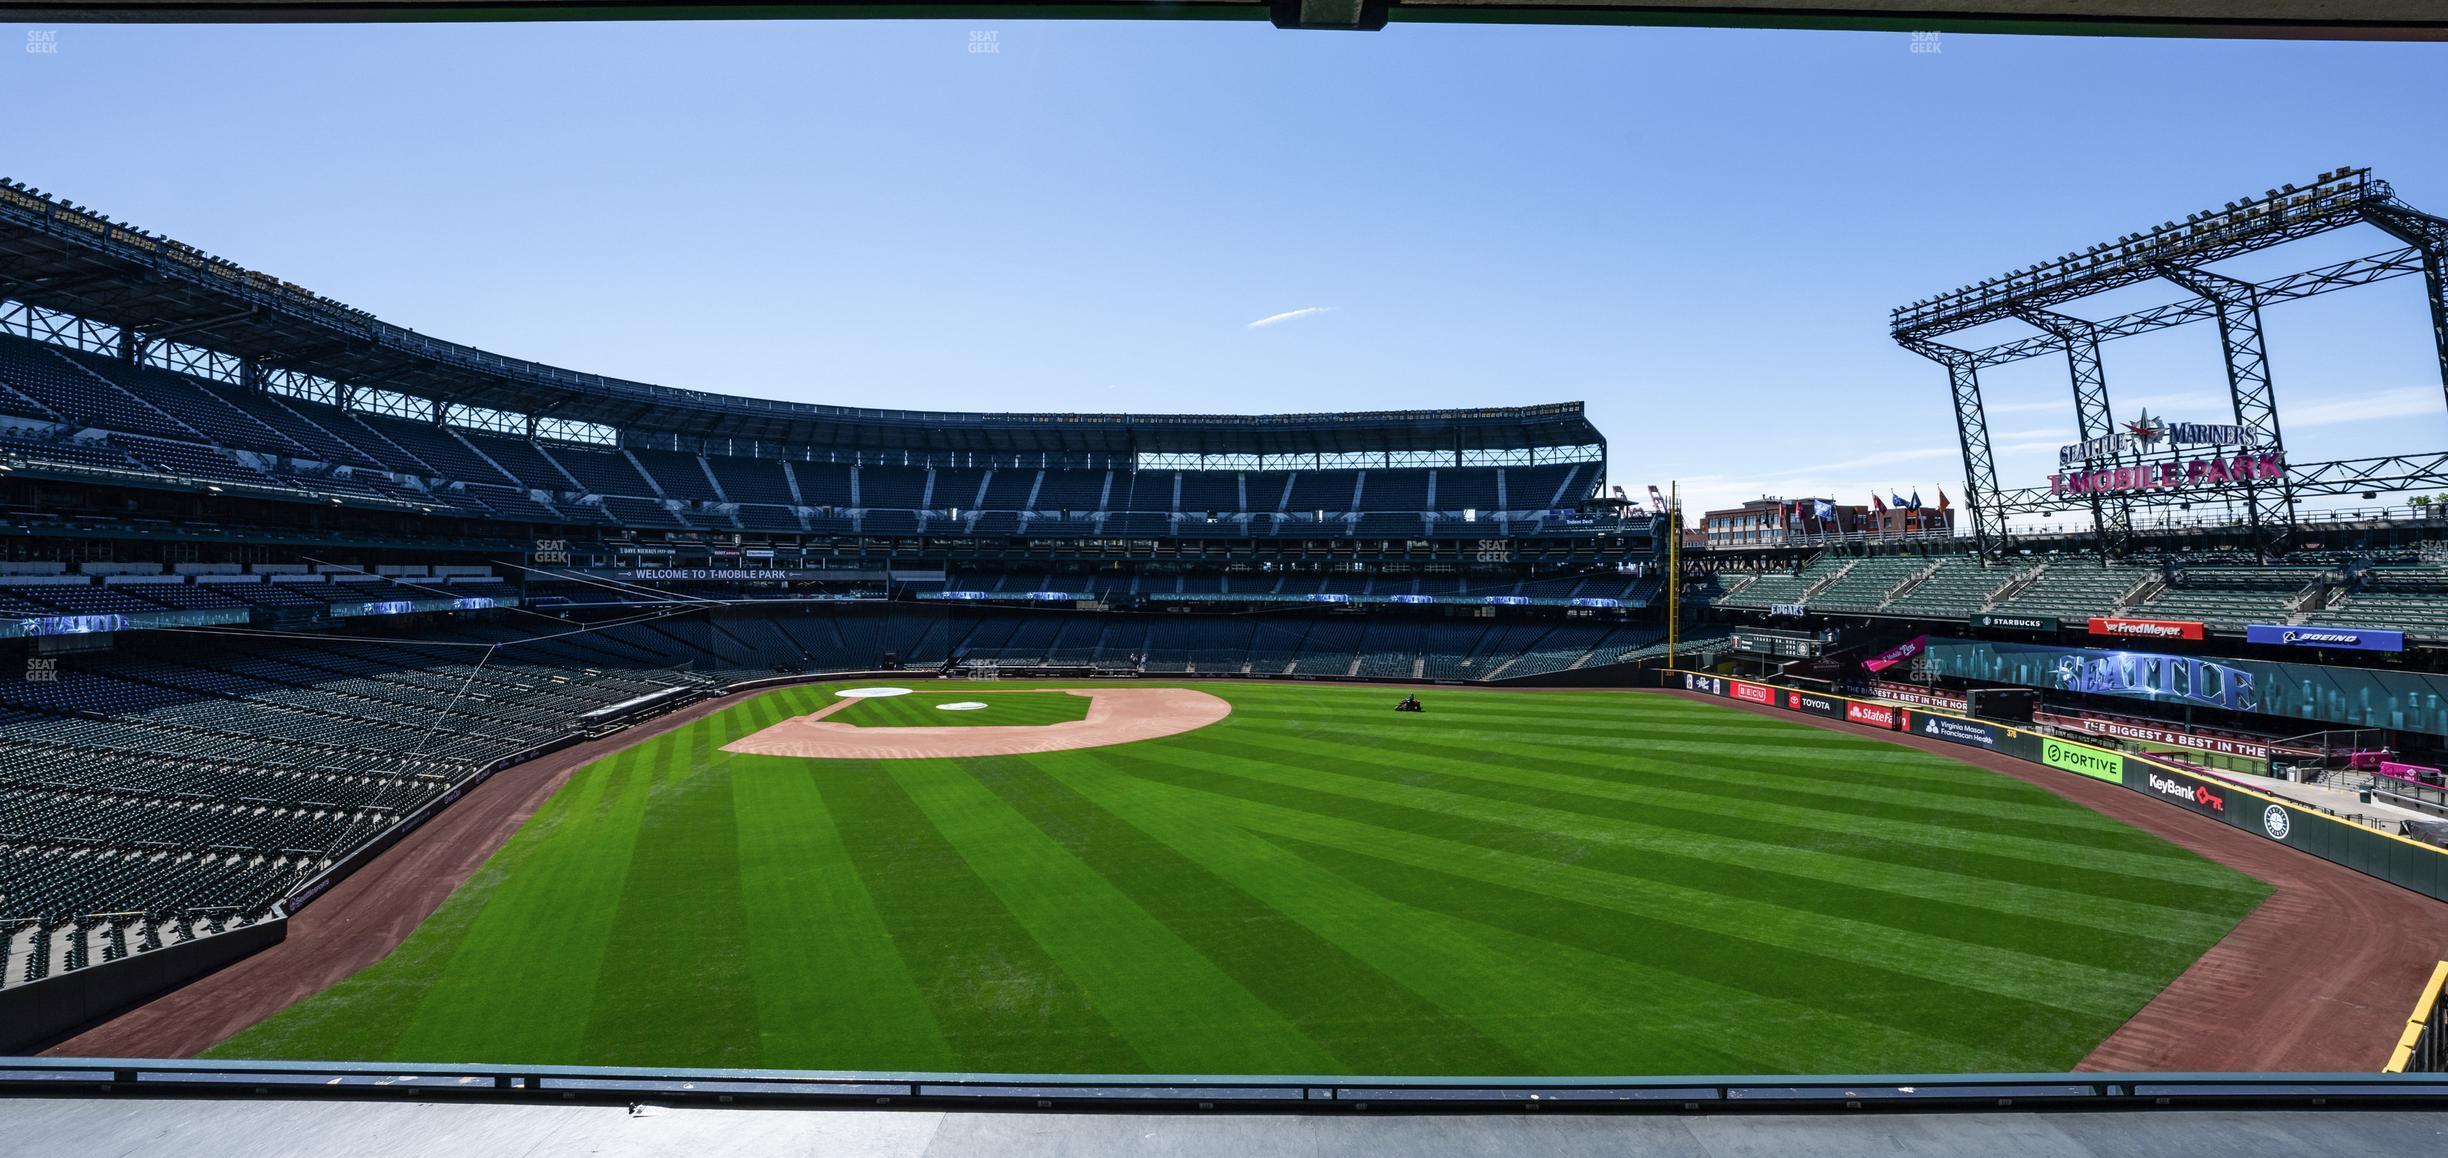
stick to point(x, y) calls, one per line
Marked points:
point(1860, 782)
point(1971, 1018)
point(1732, 789)
point(831, 989)
point(1176, 1008)
point(1616, 836)
point(1591, 793)
point(1365, 1020)
point(678, 942)
point(996, 994)
point(2005, 974)
point(556, 928)
point(1562, 1015)
point(1688, 800)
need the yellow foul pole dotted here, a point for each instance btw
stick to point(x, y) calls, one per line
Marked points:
point(1674, 569)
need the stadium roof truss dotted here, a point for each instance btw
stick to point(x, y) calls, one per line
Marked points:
point(79, 278)
point(2180, 255)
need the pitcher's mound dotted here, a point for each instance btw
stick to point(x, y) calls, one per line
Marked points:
point(1115, 716)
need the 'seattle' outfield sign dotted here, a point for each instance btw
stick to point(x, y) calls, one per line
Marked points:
point(2340, 638)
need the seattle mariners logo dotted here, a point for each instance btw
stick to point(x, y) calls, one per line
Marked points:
point(2146, 430)
point(2276, 822)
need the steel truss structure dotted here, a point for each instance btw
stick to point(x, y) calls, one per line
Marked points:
point(2180, 255)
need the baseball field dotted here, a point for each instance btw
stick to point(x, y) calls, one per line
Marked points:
point(1550, 883)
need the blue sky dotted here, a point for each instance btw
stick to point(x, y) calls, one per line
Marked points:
point(1698, 232)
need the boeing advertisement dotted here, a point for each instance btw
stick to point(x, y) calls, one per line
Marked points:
point(2340, 638)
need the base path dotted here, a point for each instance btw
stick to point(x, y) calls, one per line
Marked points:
point(1115, 716)
point(2318, 979)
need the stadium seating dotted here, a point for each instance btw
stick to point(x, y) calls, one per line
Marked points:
point(1866, 585)
point(1957, 587)
point(2077, 589)
point(2412, 599)
point(2229, 598)
point(1779, 587)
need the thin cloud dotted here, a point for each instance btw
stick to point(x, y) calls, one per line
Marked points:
point(1289, 315)
point(2405, 402)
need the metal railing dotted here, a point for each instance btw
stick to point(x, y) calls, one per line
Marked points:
point(1141, 1093)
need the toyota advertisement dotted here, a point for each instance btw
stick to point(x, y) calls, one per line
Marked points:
point(1815, 704)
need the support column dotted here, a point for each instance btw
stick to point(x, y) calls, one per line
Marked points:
point(2270, 508)
point(1981, 495)
point(2111, 519)
point(2430, 235)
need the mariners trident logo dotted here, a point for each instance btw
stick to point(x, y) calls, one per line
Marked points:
point(2146, 430)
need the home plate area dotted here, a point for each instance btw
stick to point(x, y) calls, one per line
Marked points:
point(875, 723)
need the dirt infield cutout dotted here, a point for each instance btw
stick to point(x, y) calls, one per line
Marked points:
point(1115, 716)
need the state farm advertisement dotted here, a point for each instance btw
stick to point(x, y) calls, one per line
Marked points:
point(1875, 715)
point(1756, 693)
point(2147, 628)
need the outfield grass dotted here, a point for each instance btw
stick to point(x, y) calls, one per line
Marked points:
point(1004, 708)
point(1554, 883)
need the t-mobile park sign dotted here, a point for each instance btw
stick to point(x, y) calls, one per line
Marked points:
point(2214, 471)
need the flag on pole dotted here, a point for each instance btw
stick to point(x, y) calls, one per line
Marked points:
point(1823, 509)
point(1916, 500)
point(1876, 505)
point(1942, 499)
point(1897, 500)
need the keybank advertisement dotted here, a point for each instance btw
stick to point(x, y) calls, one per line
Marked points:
point(2406, 701)
point(2090, 762)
